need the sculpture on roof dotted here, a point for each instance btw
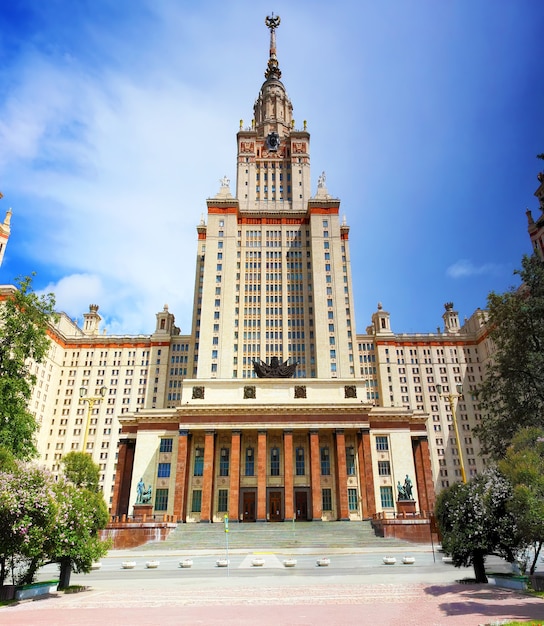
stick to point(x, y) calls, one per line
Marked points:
point(275, 369)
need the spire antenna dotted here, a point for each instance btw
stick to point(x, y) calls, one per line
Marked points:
point(272, 71)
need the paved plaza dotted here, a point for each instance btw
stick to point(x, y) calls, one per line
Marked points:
point(356, 588)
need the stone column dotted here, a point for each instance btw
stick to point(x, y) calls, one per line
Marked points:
point(366, 475)
point(234, 493)
point(315, 475)
point(123, 477)
point(288, 474)
point(424, 476)
point(261, 476)
point(182, 476)
point(207, 481)
point(341, 477)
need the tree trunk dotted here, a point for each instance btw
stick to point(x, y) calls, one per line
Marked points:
point(65, 573)
point(478, 561)
point(538, 547)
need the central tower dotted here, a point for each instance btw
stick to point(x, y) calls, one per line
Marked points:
point(273, 274)
point(273, 172)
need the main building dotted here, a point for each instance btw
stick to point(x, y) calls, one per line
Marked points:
point(273, 407)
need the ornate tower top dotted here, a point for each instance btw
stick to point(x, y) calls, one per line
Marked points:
point(273, 69)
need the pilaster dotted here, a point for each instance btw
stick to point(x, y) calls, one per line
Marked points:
point(341, 477)
point(180, 489)
point(366, 475)
point(234, 493)
point(288, 474)
point(261, 476)
point(208, 478)
point(315, 469)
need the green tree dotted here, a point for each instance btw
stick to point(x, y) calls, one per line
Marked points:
point(24, 318)
point(80, 470)
point(76, 543)
point(523, 465)
point(474, 521)
point(512, 392)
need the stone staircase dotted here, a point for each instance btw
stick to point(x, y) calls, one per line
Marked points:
point(275, 536)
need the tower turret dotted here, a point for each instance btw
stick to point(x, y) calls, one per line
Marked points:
point(5, 231)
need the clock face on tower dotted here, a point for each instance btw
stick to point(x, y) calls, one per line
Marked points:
point(273, 141)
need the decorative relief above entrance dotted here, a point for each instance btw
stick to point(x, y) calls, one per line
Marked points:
point(300, 391)
point(350, 391)
point(250, 392)
point(198, 393)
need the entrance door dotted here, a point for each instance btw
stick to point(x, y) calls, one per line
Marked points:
point(274, 506)
point(248, 502)
point(301, 505)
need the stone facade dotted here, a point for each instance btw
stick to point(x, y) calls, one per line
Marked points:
point(186, 414)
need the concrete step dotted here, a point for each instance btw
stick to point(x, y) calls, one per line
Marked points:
point(274, 536)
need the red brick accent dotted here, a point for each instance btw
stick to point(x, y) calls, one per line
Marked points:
point(261, 477)
point(424, 476)
point(207, 480)
point(341, 477)
point(234, 493)
point(288, 474)
point(315, 476)
point(366, 475)
point(123, 477)
point(133, 534)
point(416, 530)
point(182, 476)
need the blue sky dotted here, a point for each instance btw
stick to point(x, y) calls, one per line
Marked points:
point(118, 118)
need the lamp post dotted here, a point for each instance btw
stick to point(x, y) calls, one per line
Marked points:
point(450, 397)
point(90, 400)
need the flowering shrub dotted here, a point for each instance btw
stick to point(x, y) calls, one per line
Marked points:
point(44, 521)
point(474, 521)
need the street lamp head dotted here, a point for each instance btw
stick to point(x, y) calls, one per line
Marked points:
point(460, 389)
point(439, 389)
point(103, 390)
point(82, 392)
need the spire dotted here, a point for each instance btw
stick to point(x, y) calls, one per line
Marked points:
point(273, 69)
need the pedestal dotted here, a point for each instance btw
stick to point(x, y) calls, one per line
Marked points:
point(406, 507)
point(143, 511)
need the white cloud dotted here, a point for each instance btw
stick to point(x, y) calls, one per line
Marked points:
point(464, 268)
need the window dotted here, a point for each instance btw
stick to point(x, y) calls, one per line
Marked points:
point(222, 500)
point(224, 462)
point(166, 445)
point(250, 462)
point(164, 470)
point(350, 461)
point(274, 462)
point(384, 468)
point(198, 469)
point(196, 504)
point(352, 499)
point(299, 462)
point(386, 495)
point(382, 443)
point(325, 461)
point(161, 499)
point(326, 499)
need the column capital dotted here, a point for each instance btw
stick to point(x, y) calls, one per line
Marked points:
point(183, 432)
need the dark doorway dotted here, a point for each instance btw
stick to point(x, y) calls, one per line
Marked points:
point(248, 503)
point(275, 513)
point(301, 506)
